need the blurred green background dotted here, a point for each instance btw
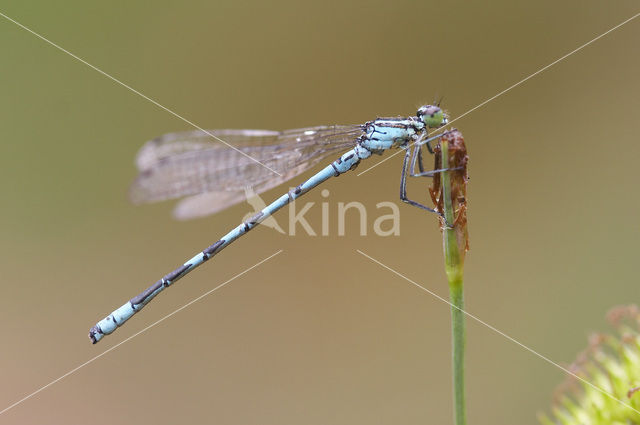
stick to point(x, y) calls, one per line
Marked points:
point(319, 334)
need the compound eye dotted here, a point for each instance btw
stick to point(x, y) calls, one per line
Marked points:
point(432, 116)
point(429, 111)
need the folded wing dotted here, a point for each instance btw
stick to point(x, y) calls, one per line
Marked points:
point(214, 175)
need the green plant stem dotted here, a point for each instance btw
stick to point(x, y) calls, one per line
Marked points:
point(458, 334)
point(454, 271)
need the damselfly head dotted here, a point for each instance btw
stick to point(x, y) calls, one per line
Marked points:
point(432, 116)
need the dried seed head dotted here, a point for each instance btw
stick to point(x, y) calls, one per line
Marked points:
point(457, 160)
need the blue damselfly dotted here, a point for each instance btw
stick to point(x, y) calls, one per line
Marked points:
point(213, 176)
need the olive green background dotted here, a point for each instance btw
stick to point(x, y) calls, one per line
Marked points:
point(319, 334)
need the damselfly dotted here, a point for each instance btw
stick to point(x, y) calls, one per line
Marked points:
point(213, 176)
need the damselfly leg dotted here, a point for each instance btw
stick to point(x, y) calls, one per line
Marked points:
point(416, 156)
point(403, 180)
point(412, 155)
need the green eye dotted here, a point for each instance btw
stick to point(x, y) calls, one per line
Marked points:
point(435, 120)
point(432, 116)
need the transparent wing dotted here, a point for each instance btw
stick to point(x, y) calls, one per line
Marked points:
point(208, 203)
point(192, 163)
point(173, 144)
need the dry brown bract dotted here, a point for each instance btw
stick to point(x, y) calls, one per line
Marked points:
point(457, 161)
